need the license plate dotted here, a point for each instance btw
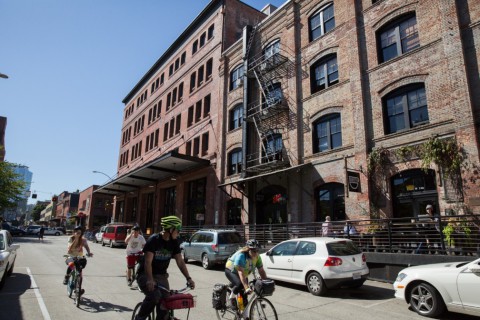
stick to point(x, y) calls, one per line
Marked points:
point(357, 275)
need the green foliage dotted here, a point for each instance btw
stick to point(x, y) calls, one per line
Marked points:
point(11, 186)
point(37, 210)
point(377, 159)
point(444, 152)
point(454, 226)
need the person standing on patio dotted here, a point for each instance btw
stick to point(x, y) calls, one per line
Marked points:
point(326, 227)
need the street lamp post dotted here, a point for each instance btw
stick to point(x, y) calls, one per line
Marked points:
point(106, 175)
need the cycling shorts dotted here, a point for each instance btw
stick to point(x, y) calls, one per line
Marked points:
point(132, 259)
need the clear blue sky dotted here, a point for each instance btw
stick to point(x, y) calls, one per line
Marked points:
point(70, 64)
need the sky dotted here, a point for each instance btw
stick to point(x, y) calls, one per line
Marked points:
point(69, 66)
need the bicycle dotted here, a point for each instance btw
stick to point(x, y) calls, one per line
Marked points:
point(74, 284)
point(257, 308)
point(178, 299)
point(137, 256)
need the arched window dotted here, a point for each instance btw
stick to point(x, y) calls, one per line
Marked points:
point(271, 49)
point(330, 199)
point(398, 37)
point(235, 161)
point(324, 73)
point(236, 117)
point(236, 77)
point(405, 108)
point(327, 133)
point(321, 22)
point(273, 148)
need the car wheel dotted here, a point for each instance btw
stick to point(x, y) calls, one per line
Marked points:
point(57, 234)
point(111, 244)
point(426, 301)
point(184, 256)
point(103, 243)
point(315, 284)
point(206, 262)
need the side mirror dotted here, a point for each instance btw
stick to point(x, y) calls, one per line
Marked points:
point(268, 253)
point(475, 268)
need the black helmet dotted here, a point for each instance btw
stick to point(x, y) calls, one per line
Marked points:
point(136, 228)
point(253, 244)
point(77, 228)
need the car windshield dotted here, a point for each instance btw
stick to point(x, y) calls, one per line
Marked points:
point(342, 248)
point(122, 230)
point(229, 237)
point(2, 242)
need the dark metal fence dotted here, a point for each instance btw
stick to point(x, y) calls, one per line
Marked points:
point(445, 235)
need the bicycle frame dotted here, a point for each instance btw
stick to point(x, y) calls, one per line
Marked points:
point(75, 280)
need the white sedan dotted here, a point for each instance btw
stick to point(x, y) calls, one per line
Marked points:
point(432, 288)
point(8, 253)
point(319, 263)
point(52, 231)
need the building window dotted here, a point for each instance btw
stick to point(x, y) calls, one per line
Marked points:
point(324, 73)
point(398, 38)
point(271, 49)
point(209, 69)
point(170, 70)
point(201, 71)
point(178, 122)
point(327, 133)
point(273, 148)
point(202, 39)
point(321, 22)
point(180, 92)
point(170, 201)
point(330, 199)
point(206, 106)
point(204, 143)
point(210, 32)
point(195, 47)
point(196, 146)
point(190, 116)
point(236, 117)
point(236, 76)
point(183, 57)
point(196, 201)
point(274, 95)
point(188, 148)
point(198, 111)
point(405, 108)
point(193, 79)
point(235, 161)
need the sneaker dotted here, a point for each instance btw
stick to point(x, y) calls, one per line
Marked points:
point(65, 280)
point(129, 282)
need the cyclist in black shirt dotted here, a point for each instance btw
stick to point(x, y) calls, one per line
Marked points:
point(159, 249)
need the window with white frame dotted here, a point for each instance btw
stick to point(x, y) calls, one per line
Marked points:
point(321, 22)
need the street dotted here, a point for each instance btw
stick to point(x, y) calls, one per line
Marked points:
point(35, 290)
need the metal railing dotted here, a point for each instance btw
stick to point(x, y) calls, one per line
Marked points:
point(446, 235)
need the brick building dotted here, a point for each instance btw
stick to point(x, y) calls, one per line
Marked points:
point(341, 106)
point(96, 207)
point(171, 134)
point(320, 108)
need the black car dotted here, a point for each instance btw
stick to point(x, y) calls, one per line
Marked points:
point(14, 231)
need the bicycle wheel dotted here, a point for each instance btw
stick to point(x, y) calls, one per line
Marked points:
point(78, 291)
point(227, 313)
point(137, 309)
point(71, 284)
point(262, 309)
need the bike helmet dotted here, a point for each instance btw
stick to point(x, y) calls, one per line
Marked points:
point(253, 244)
point(78, 228)
point(136, 228)
point(169, 222)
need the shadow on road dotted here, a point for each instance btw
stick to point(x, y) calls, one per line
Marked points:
point(92, 306)
point(16, 285)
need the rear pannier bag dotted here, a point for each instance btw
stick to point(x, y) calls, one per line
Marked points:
point(264, 287)
point(219, 296)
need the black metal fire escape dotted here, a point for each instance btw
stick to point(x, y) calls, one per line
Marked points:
point(270, 115)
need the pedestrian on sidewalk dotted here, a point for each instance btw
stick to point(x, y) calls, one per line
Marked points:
point(41, 232)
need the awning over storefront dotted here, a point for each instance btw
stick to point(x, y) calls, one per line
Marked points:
point(236, 181)
point(165, 167)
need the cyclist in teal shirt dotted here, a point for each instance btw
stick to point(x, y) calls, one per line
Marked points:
point(241, 264)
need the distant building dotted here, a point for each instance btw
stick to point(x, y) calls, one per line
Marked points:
point(96, 206)
point(20, 207)
point(66, 208)
point(3, 127)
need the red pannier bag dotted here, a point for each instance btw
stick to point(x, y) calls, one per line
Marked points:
point(179, 301)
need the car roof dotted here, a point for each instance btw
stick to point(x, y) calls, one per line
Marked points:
point(320, 239)
point(218, 230)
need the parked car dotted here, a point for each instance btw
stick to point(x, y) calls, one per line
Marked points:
point(115, 235)
point(433, 288)
point(99, 234)
point(90, 234)
point(52, 231)
point(14, 231)
point(211, 246)
point(8, 253)
point(320, 263)
point(33, 229)
point(62, 229)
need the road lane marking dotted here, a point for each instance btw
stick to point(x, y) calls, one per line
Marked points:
point(41, 303)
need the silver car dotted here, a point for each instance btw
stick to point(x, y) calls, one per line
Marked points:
point(211, 246)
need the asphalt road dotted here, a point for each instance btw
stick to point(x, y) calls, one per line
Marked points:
point(35, 291)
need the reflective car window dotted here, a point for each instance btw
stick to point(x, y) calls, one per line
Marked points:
point(229, 237)
point(342, 248)
point(208, 237)
point(196, 237)
point(306, 248)
point(284, 249)
point(2, 242)
point(122, 230)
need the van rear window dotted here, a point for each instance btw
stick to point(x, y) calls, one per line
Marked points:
point(229, 237)
point(342, 248)
point(122, 230)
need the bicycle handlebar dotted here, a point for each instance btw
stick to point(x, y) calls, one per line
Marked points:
point(174, 291)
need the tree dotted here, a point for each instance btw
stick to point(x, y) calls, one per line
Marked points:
point(37, 210)
point(11, 186)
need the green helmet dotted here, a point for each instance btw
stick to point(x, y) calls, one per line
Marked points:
point(169, 222)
